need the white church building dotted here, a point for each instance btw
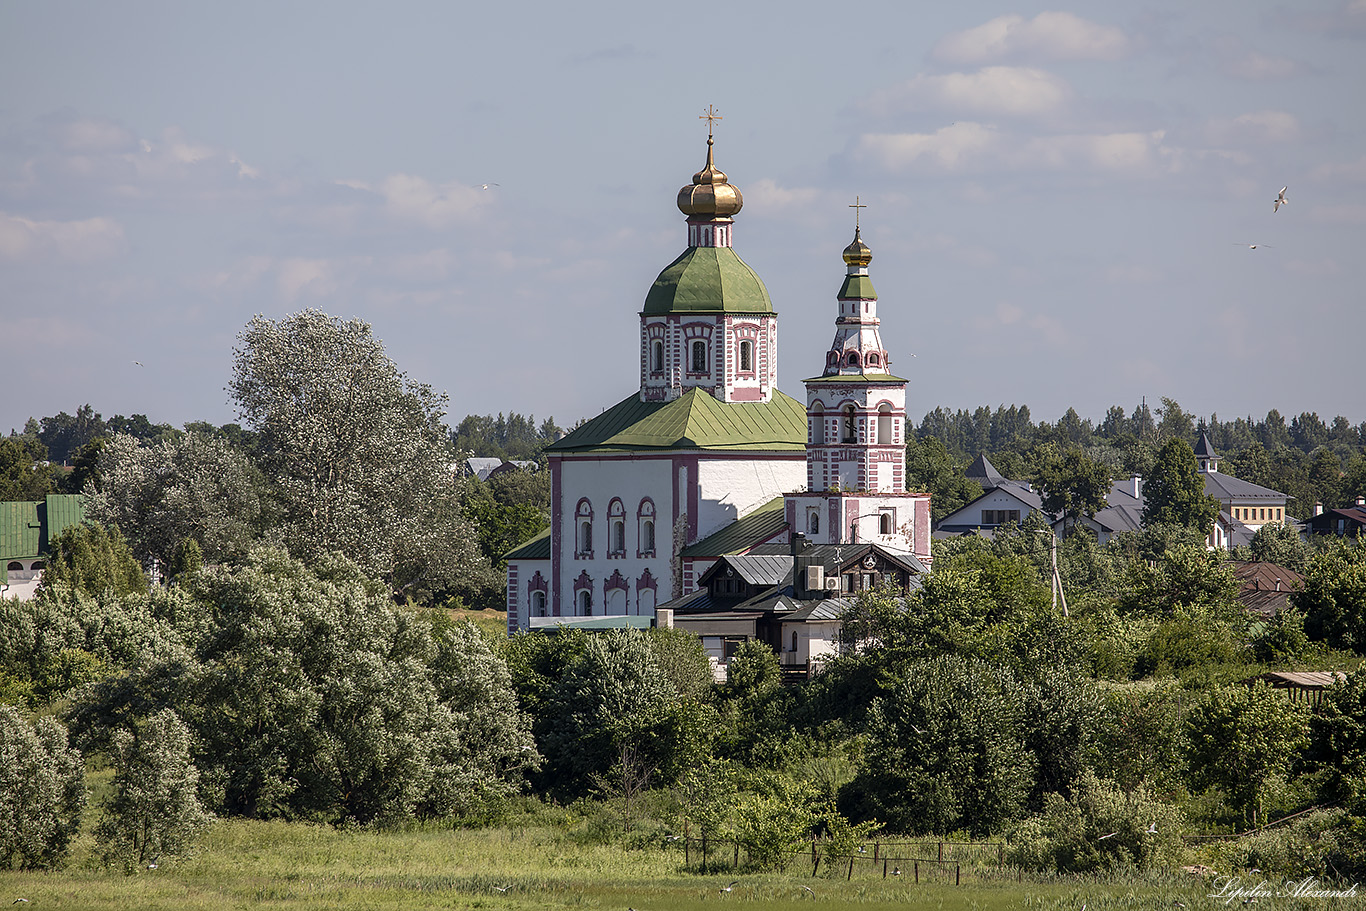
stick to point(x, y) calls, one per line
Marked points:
point(708, 458)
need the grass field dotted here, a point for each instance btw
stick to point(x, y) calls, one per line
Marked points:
point(275, 865)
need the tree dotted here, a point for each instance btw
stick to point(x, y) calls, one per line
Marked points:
point(42, 792)
point(1334, 596)
point(1338, 738)
point(91, 559)
point(189, 487)
point(946, 750)
point(312, 697)
point(22, 476)
point(1281, 544)
point(1073, 485)
point(155, 809)
point(1243, 740)
point(355, 452)
point(1175, 494)
point(63, 434)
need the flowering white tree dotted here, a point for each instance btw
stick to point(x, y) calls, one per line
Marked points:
point(356, 453)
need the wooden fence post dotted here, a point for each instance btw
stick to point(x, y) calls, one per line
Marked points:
point(850, 877)
point(957, 874)
point(875, 851)
point(687, 846)
point(884, 868)
point(737, 853)
point(941, 852)
point(917, 872)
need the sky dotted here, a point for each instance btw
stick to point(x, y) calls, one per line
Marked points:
point(1060, 200)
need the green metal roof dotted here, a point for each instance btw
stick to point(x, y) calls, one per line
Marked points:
point(26, 527)
point(858, 378)
point(20, 530)
point(757, 527)
point(694, 420)
point(857, 287)
point(707, 280)
point(538, 548)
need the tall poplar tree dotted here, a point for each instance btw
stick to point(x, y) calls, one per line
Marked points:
point(1175, 493)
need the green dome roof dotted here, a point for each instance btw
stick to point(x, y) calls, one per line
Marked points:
point(707, 280)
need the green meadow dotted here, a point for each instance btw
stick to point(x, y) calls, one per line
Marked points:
point(279, 865)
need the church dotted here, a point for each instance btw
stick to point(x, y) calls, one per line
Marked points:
point(707, 458)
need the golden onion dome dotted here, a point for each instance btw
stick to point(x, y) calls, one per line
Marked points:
point(710, 193)
point(857, 253)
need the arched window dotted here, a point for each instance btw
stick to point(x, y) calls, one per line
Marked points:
point(794, 640)
point(15, 566)
point(37, 564)
point(851, 359)
point(645, 518)
point(884, 424)
point(699, 356)
point(584, 603)
point(813, 521)
point(817, 423)
point(538, 604)
point(884, 522)
point(657, 356)
point(746, 356)
point(874, 359)
point(583, 520)
point(616, 518)
point(850, 427)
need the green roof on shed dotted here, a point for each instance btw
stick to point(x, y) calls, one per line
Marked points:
point(694, 420)
point(707, 280)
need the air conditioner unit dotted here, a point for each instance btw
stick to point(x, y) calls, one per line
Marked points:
point(832, 584)
point(815, 577)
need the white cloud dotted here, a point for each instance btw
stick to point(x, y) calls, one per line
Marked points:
point(1340, 214)
point(1048, 36)
point(411, 198)
point(1354, 171)
point(994, 90)
point(26, 240)
point(1258, 67)
point(773, 199)
point(1254, 127)
point(297, 277)
point(969, 148)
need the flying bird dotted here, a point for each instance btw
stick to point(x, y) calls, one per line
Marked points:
point(1152, 828)
point(502, 888)
point(485, 186)
point(726, 889)
point(137, 363)
point(1111, 835)
point(809, 889)
point(1280, 200)
point(1252, 246)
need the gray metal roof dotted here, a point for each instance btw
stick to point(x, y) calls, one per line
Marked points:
point(1225, 487)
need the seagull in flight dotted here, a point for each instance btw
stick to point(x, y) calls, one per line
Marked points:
point(1280, 200)
point(1252, 246)
point(485, 186)
point(726, 889)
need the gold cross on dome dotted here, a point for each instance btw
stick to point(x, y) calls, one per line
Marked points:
point(856, 206)
point(710, 117)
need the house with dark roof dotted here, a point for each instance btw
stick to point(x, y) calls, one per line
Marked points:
point(1345, 522)
point(1244, 507)
point(26, 529)
point(1264, 588)
point(791, 596)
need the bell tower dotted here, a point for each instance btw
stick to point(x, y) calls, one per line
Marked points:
point(856, 425)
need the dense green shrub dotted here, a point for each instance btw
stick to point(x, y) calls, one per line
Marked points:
point(42, 792)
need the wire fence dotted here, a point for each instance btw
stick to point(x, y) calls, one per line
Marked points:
point(909, 861)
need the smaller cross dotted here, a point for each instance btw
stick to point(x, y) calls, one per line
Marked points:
point(856, 206)
point(710, 117)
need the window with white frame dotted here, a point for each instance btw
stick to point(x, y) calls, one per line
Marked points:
point(817, 423)
point(746, 356)
point(583, 522)
point(616, 519)
point(884, 424)
point(657, 356)
point(645, 517)
point(538, 603)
